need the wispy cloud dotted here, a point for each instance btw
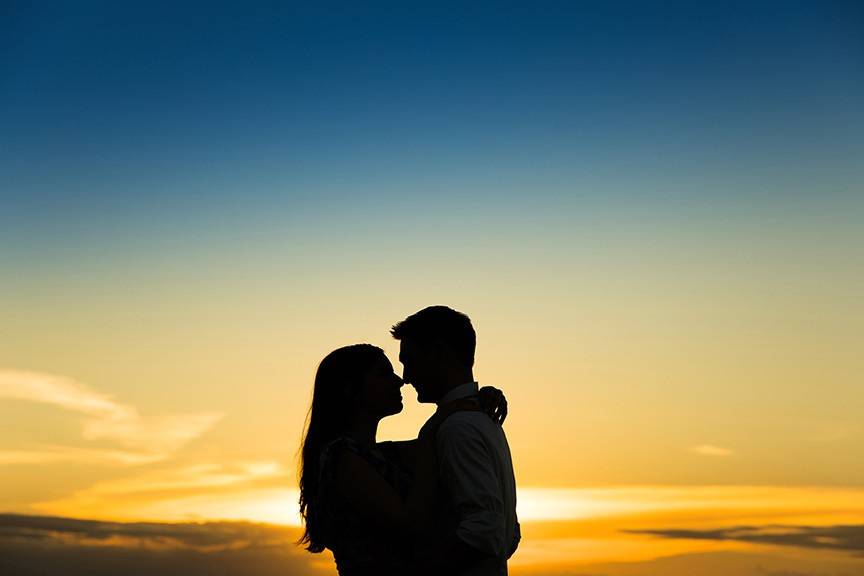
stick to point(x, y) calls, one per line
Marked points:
point(193, 478)
point(58, 391)
point(151, 438)
point(208, 536)
point(711, 450)
point(260, 490)
point(849, 538)
point(63, 454)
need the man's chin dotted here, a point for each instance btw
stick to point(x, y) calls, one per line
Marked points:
point(395, 409)
point(422, 396)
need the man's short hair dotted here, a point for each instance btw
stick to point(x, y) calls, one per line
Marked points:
point(440, 323)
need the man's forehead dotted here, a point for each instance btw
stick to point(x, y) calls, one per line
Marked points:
point(405, 348)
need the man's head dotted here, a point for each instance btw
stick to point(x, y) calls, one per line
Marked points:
point(437, 350)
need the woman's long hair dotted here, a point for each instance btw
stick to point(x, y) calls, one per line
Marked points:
point(339, 378)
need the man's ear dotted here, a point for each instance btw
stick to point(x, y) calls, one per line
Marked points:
point(442, 353)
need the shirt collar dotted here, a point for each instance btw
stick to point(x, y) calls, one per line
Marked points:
point(459, 392)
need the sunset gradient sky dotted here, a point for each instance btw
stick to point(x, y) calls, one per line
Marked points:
point(652, 213)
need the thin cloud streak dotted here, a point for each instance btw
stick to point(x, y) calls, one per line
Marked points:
point(70, 454)
point(205, 537)
point(250, 490)
point(59, 391)
point(157, 437)
point(847, 538)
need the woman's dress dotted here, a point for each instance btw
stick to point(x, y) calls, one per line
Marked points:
point(360, 547)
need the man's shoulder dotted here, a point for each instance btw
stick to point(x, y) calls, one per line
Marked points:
point(467, 423)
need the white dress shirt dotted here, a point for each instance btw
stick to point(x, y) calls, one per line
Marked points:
point(477, 473)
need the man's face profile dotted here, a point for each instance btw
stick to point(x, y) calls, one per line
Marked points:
point(416, 369)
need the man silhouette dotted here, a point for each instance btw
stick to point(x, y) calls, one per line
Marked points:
point(477, 524)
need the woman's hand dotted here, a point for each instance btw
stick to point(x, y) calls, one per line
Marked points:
point(494, 403)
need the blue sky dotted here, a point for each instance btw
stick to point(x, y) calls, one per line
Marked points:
point(117, 109)
point(138, 130)
point(151, 138)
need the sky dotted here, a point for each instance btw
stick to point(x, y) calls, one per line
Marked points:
point(651, 212)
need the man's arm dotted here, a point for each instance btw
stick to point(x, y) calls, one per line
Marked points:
point(469, 474)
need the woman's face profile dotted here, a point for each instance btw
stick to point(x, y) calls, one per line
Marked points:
point(381, 394)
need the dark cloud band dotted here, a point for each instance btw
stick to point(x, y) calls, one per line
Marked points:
point(849, 538)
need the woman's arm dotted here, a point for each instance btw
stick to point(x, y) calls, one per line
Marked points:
point(374, 498)
point(404, 450)
point(492, 401)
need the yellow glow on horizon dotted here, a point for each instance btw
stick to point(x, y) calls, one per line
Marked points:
point(546, 508)
point(561, 528)
point(551, 504)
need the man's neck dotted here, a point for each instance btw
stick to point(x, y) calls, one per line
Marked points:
point(453, 377)
point(457, 392)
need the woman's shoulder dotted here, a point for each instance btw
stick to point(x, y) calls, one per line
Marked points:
point(336, 446)
point(334, 454)
point(345, 455)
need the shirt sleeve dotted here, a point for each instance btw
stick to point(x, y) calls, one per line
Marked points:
point(468, 472)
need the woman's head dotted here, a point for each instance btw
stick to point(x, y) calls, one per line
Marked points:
point(351, 382)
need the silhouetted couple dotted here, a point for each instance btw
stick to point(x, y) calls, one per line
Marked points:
point(442, 504)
